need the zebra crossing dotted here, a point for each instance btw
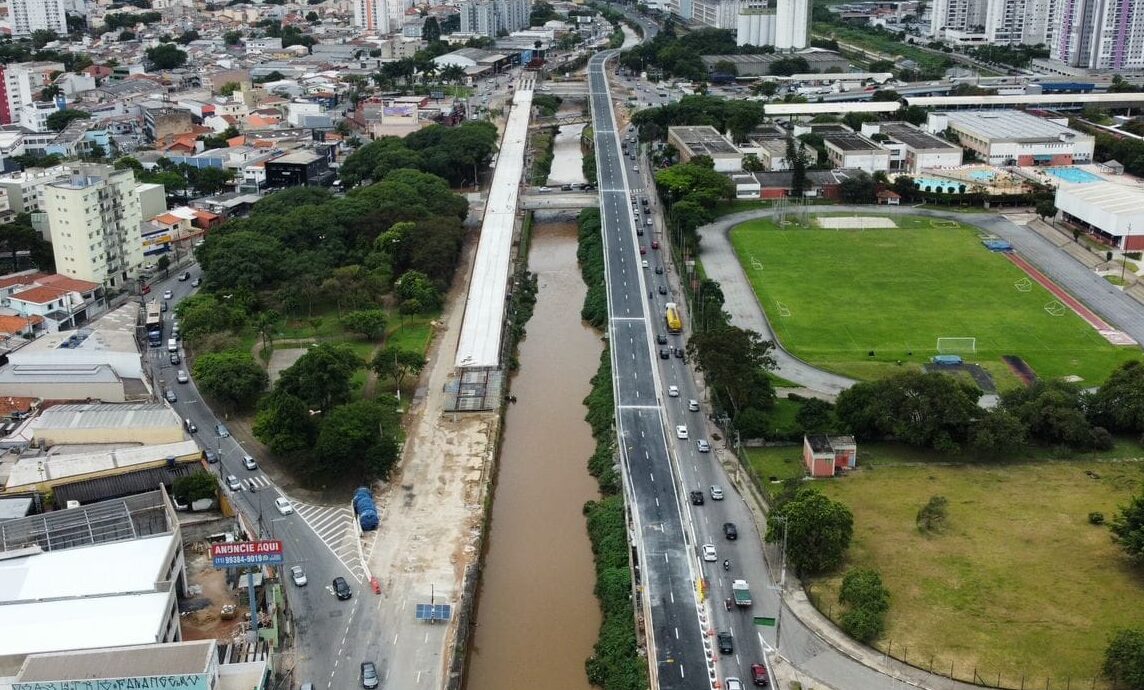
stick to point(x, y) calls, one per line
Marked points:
point(334, 526)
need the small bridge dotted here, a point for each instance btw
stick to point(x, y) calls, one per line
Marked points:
point(554, 201)
point(561, 120)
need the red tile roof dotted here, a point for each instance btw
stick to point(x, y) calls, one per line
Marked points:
point(65, 283)
point(39, 294)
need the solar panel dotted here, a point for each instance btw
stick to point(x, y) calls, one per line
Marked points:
point(434, 612)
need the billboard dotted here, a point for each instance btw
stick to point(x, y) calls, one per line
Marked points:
point(240, 554)
point(186, 681)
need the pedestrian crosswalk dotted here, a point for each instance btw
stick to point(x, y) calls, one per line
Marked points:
point(335, 527)
point(258, 481)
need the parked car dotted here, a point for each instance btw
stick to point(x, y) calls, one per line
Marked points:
point(283, 505)
point(196, 282)
point(212, 457)
point(232, 483)
point(341, 588)
point(696, 498)
point(730, 531)
point(298, 576)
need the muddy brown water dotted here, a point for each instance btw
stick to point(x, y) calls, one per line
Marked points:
point(538, 618)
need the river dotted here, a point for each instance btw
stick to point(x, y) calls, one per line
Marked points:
point(538, 618)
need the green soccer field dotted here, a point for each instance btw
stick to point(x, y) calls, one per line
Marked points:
point(834, 296)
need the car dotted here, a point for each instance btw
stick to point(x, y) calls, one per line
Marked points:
point(655, 244)
point(759, 675)
point(679, 353)
point(212, 457)
point(730, 531)
point(639, 231)
point(181, 377)
point(696, 498)
point(232, 483)
point(645, 264)
point(703, 446)
point(709, 553)
point(661, 338)
point(196, 282)
point(648, 221)
point(190, 426)
point(170, 396)
point(341, 589)
point(544, 189)
point(184, 276)
point(693, 405)
point(658, 269)
point(148, 267)
point(635, 168)
point(733, 684)
point(369, 677)
point(146, 290)
point(298, 576)
point(166, 306)
point(565, 187)
point(673, 391)
point(249, 463)
point(175, 358)
point(283, 505)
point(643, 250)
point(681, 432)
point(662, 289)
point(716, 492)
point(167, 294)
point(221, 430)
point(726, 642)
point(663, 353)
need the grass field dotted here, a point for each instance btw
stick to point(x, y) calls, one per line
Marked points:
point(1019, 584)
point(833, 296)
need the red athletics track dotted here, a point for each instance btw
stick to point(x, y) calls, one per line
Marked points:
point(1065, 298)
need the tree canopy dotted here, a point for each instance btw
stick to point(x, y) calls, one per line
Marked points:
point(321, 377)
point(166, 56)
point(818, 531)
point(232, 377)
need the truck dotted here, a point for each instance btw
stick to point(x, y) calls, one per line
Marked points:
point(671, 316)
point(154, 324)
point(742, 592)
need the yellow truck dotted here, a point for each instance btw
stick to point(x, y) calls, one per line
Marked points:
point(674, 323)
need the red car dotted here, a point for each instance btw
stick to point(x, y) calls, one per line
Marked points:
point(643, 249)
point(655, 244)
point(146, 289)
point(759, 675)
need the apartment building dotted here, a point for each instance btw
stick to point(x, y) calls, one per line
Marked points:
point(25, 189)
point(372, 15)
point(1098, 34)
point(27, 16)
point(21, 84)
point(94, 218)
point(964, 16)
point(493, 17)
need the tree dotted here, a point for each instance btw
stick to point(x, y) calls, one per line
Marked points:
point(284, 424)
point(164, 265)
point(866, 600)
point(735, 361)
point(397, 363)
point(1118, 405)
point(818, 531)
point(796, 158)
point(414, 285)
point(370, 323)
point(431, 30)
point(194, 487)
point(229, 88)
point(266, 325)
point(126, 35)
point(815, 416)
point(1128, 530)
point(321, 377)
point(928, 410)
point(1053, 412)
point(19, 236)
point(62, 118)
point(232, 38)
point(358, 437)
point(998, 433)
point(205, 313)
point(859, 189)
point(751, 163)
point(42, 37)
point(1046, 209)
point(1124, 658)
point(313, 17)
point(187, 37)
point(166, 56)
point(232, 377)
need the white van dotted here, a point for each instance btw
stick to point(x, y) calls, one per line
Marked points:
point(172, 345)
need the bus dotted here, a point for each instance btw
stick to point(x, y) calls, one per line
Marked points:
point(154, 324)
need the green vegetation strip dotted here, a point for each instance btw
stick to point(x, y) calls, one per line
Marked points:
point(1018, 584)
point(616, 663)
point(835, 296)
point(542, 143)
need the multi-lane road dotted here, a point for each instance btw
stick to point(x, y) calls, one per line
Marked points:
point(334, 636)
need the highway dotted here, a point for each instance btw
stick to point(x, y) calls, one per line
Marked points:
point(334, 636)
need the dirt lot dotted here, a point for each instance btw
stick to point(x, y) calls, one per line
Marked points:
point(205, 623)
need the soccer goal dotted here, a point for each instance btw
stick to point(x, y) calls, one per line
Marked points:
point(957, 346)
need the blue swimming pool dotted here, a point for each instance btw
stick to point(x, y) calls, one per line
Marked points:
point(1071, 174)
point(946, 186)
point(982, 175)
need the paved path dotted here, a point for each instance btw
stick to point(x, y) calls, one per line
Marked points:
point(721, 264)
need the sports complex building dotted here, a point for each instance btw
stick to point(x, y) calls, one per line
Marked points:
point(1110, 211)
point(1013, 137)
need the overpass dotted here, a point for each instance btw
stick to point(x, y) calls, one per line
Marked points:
point(550, 201)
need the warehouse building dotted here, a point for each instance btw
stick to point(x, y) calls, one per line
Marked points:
point(142, 423)
point(911, 149)
point(705, 140)
point(1013, 137)
point(1112, 212)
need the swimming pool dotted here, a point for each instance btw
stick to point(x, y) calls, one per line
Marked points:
point(947, 186)
point(1071, 174)
point(982, 175)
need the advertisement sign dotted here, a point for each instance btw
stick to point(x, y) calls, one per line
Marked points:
point(240, 554)
point(189, 681)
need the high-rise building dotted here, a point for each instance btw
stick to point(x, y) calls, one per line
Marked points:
point(94, 218)
point(27, 16)
point(1099, 34)
point(785, 24)
point(372, 15)
point(957, 15)
point(492, 17)
point(1012, 22)
point(20, 85)
point(717, 14)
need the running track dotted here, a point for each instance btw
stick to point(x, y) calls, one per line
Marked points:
point(1081, 310)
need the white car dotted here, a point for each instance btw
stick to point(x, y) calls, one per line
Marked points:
point(709, 553)
point(232, 483)
point(673, 391)
point(283, 505)
point(645, 263)
point(249, 463)
point(167, 294)
point(681, 432)
point(693, 405)
point(181, 377)
point(703, 446)
point(733, 684)
point(716, 492)
point(298, 576)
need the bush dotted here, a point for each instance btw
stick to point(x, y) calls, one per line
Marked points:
point(864, 626)
point(934, 515)
point(1096, 518)
point(867, 601)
